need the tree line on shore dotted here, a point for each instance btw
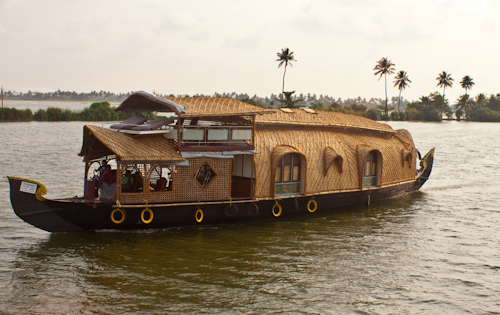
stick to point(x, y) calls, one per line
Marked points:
point(433, 107)
point(427, 108)
point(97, 111)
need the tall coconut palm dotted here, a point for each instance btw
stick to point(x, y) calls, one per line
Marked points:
point(285, 57)
point(384, 67)
point(466, 83)
point(444, 80)
point(402, 82)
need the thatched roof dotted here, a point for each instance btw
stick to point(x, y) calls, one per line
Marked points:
point(99, 142)
point(216, 106)
point(310, 117)
point(189, 106)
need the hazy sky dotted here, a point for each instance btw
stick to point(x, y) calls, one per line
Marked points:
point(200, 46)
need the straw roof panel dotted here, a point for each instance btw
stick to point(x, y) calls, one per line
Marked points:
point(298, 116)
point(313, 143)
point(215, 106)
point(98, 141)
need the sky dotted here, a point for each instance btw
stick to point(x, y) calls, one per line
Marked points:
point(199, 46)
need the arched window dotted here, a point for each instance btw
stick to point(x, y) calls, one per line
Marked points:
point(287, 177)
point(370, 172)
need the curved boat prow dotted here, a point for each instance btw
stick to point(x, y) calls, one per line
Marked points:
point(425, 169)
point(27, 200)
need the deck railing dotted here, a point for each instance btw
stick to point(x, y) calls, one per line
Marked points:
point(216, 135)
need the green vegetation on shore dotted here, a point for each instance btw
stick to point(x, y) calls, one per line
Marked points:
point(427, 108)
point(98, 111)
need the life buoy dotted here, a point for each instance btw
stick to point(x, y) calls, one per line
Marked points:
point(231, 210)
point(277, 213)
point(314, 208)
point(252, 209)
point(147, 210)
point(117, 221)
point(198, 215)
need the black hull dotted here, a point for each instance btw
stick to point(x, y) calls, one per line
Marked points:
point(74, 215)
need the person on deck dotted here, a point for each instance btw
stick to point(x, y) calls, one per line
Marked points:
point(127, 181)
point(101, 170)
point(108, 188)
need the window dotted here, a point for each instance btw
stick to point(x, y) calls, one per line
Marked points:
point(131, 179)
point(160, 179)
point(205, 175)
point(287, 177)
point(370, 172)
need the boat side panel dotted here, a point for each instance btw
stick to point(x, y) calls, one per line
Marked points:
point(73, 216)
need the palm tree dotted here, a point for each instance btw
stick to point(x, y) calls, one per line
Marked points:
point(384, 67)
point(444, 80)
point(401, 81)
point(464, 104)
point(466, 83)
point(285, 57)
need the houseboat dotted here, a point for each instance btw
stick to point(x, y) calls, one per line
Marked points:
point(216, 160)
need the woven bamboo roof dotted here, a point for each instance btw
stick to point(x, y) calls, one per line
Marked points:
point(189, 106)
point(216, 106)
point(99, 142)
point(309, 117)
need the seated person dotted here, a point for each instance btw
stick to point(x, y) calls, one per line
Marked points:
point(137, 181)
point(108, 188)
point(161, 184)
point(127, 181)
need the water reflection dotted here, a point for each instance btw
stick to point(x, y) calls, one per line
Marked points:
point(247, 267)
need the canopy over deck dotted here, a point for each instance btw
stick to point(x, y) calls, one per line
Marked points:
point(99, 142)
point(144, 101)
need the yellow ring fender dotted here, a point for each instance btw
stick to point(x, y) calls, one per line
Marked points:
point(117, 210)
point(314, 208)
point(150, 216)
point(278, 213)
point(198, 215)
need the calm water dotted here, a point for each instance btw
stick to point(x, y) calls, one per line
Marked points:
point(435, 252)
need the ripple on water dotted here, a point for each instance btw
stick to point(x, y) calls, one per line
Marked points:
point(434, 252)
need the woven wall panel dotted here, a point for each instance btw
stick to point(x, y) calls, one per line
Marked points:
point(184, 186)
point(313, 143)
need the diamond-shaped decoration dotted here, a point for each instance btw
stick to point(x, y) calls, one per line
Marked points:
point(205, 175)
